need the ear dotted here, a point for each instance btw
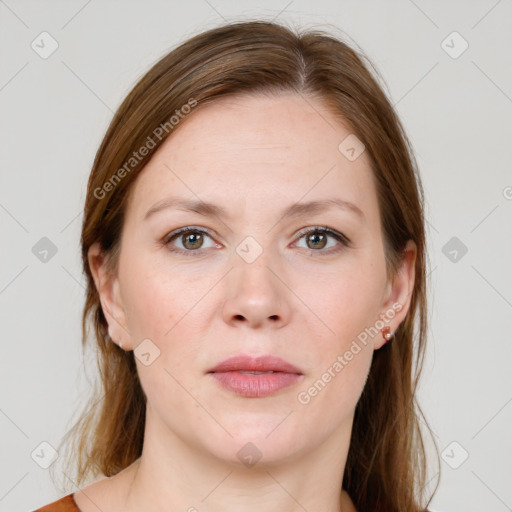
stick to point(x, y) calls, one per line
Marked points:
point(397, 299)
point(110, 297)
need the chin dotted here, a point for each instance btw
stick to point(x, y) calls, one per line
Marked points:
point(257, 442)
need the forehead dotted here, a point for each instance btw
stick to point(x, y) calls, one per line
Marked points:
point(255, 149)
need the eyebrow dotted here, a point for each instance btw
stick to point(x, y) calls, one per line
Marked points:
point(294, 210)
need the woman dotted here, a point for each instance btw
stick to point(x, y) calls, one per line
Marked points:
point(253, 239)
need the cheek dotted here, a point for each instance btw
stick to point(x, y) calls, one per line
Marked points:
point(340, 361)
point(350, 306)
point(151, 307)
point(160, 307)
point(330, 398)
point(158, 297)
point(350, 301)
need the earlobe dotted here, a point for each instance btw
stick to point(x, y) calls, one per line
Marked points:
point(107, 286)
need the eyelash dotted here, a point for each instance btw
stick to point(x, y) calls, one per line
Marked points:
point(316, 229)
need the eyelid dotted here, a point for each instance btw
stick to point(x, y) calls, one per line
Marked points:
point(186, 229)
point(324, 229)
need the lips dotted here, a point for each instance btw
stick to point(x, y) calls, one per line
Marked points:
point(247, 363)
point(255, 377)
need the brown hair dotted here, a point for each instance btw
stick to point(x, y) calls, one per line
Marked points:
point(386, 465)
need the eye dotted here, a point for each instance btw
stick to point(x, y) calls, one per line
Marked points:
point(317, 240)
point(191, 239)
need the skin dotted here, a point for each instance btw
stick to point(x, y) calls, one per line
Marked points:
point(253, 155)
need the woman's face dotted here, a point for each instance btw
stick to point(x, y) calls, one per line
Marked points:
point(252, 281)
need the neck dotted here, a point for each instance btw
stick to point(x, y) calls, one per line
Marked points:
point(172, 474)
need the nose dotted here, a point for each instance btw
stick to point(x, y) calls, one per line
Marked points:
point(257, 296)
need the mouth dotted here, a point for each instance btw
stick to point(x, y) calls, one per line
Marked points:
point(255, 377)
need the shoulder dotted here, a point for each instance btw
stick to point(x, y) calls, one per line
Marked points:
point(65, 504)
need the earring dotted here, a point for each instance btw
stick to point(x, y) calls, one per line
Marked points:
point(386, 333)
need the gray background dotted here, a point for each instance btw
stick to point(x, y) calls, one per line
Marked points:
point(456, 109)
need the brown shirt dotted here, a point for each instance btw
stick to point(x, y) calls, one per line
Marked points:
point(65, 504)
point(68, 504)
